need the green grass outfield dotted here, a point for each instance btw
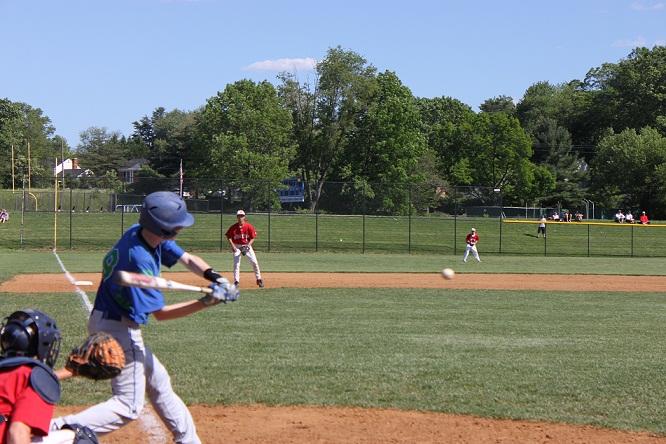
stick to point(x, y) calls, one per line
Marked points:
point(587, 358)
point(284, 233)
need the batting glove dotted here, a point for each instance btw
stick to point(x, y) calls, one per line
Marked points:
point(222, 292)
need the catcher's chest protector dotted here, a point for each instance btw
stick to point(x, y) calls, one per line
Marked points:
point(42, 379)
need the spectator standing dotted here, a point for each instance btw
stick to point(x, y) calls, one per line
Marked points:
point(542, 227)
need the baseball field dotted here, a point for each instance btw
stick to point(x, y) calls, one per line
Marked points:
point(379, 348)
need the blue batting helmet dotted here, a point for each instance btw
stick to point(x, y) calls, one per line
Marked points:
point(163, 213)
point(32, 334)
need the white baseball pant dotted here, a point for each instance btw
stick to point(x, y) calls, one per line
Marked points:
point(475, 253)
point(250, 257)
point(56, 437)
point(143, 373)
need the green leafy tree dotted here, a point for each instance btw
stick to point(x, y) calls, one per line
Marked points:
point(101, 151)
point(553, 149)
point(167, 138)
point(10, 138)
point(629, 168)
point(325, 114)
point(631, 93)
point(447, 127)
point(245, 138)
point(499, 104)
point(30, 132)
point(567, 104)
point(500, 155)
point(384, 153)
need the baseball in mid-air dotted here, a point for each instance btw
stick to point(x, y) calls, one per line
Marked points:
point(448, 273)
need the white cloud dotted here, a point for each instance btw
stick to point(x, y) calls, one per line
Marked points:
point(297, 64)
point(630, 43)
point(647, 6)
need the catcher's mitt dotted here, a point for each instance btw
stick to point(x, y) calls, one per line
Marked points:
point(99, 357)
point(244, 249)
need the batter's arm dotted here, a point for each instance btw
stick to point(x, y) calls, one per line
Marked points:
point(194, 263)
point(179, 310)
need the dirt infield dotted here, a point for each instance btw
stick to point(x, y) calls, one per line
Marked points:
point(41, 283)
point(262, 424)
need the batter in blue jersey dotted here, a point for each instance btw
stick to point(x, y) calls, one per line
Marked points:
point(121, 311)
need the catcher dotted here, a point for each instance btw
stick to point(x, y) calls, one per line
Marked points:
point(241, 236)
point(29, 389)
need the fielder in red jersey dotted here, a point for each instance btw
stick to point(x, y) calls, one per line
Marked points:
point(472, 239)
point(241, 236)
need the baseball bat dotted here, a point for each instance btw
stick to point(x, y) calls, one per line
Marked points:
point(128, 279)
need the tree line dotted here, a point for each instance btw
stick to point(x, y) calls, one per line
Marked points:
point(602, 137)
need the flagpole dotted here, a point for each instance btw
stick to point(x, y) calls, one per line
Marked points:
point(181, 178)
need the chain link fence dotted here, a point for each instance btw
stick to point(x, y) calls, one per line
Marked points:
point(404, 218)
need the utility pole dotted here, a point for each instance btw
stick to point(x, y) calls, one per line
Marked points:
point(12, 168)
point(29, 166)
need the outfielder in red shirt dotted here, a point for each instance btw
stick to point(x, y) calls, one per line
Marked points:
point(29, 389)
point(472, 239)
point(241, 236)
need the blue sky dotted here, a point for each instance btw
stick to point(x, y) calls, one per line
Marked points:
point(107, 63)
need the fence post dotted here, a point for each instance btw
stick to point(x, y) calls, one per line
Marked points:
point(500, 233)
point(70, 218)
point(545, 240)
point(455, 224)
point(409, 221)
point(632, 241)
point(363, 238)
point(316, 230)
point(588, 240)
point(221, 221)
point(269, 226)
point(499, 191)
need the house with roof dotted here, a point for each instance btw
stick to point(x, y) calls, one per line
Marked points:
point(71, 168)
point(127, 173)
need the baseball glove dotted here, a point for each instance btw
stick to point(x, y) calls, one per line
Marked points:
point(99, 357)
point(244, 249)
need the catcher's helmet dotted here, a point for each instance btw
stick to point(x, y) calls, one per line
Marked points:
point(32, 334)
point(163, 213)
